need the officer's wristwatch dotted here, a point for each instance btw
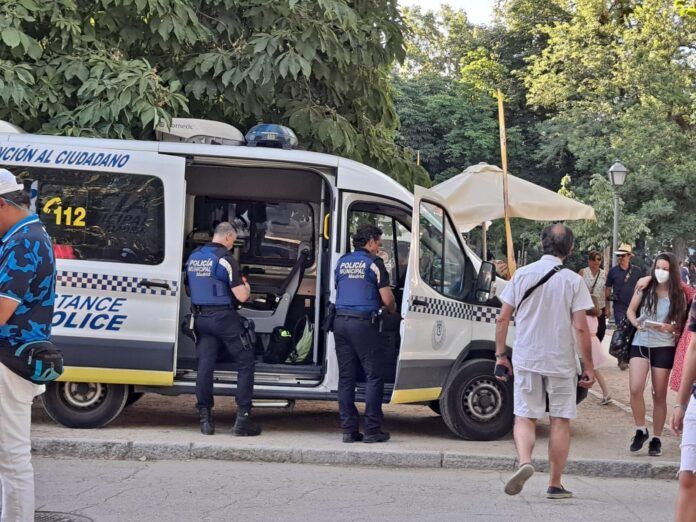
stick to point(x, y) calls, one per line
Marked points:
point(501, 355)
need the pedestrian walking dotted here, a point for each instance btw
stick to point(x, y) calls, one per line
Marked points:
point(362, 287)
point(683, 423)
point(658, 314)
point(598, 356)
point(595, 278)
point(550, 306)
point(621, 282)
point(27, 294)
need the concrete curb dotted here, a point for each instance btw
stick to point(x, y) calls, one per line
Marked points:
point(368, 456)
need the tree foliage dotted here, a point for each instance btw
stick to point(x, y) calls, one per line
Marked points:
point(585, 82)
point(117, 67)
point(629, 95)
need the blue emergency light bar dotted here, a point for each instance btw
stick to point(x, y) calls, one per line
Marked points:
point(271, 135)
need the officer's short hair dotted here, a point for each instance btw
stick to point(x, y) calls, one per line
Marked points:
point(225, 228)
point(364, 233)
point(19, 198)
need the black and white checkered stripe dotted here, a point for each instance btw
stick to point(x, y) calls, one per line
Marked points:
point(111, 283)
point(456, 309)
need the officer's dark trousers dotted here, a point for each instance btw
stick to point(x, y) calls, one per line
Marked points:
point(218, 330)
point(358, 343)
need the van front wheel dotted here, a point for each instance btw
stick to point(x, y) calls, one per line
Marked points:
point(475, 405)
point(84, 404)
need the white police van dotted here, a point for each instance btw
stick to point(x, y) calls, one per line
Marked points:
point(124, 215)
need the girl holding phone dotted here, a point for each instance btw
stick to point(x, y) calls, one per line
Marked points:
point(658, 313)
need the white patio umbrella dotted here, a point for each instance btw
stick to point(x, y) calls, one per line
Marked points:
point(476, 195)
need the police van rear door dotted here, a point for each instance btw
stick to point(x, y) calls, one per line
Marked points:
point(437, 322)
point(116, 219)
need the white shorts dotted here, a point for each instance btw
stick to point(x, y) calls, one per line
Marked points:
point(531, 389)
point(688, 445)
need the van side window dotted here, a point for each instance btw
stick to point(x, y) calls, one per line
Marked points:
point(100, 216)
point(443, 264)
point(396, 242)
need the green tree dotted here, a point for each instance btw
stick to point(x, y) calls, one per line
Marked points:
point(117, 67)
point(627, 95)
point(452, 125)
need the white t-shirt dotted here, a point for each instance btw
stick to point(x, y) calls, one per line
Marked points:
point(544, 335)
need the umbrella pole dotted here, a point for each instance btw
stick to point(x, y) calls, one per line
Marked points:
point(503, 153)
point(484, 241)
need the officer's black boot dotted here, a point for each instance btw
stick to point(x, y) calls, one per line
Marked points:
point(206, 418)
point(243, 427)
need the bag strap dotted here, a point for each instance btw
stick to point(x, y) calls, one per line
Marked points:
point(595, 281)
point(541, 281)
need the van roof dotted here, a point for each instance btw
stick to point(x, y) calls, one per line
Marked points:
point(364, 178)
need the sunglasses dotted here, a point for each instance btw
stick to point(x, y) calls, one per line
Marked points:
point(621, 255)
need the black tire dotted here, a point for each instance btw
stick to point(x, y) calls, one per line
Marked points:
point(133, 397)
point(475, 405)
point(84, 405)
point(435, 406)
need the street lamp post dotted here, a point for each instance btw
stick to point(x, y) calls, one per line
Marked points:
point(617, 177)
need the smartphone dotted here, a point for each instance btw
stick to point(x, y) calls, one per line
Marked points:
point(500, 370)
point(653, 324)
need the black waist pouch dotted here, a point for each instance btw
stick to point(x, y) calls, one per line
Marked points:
point(36, 361)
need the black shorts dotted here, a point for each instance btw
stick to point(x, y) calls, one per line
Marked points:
point(660, 357)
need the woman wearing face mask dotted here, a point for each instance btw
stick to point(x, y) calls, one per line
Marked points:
point(658, 312)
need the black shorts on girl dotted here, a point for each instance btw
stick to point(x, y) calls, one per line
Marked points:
point(659, 357)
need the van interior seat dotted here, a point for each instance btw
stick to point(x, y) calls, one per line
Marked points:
point(265, 319)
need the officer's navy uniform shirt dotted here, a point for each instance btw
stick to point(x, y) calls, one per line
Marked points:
point(27, 275)
point(211, 272)
point(359, 275)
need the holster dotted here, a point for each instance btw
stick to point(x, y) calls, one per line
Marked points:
point(328, 322)
point(248, 335)
point(389, 321)
point(188, 326)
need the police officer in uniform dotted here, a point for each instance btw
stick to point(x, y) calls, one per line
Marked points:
point(217, 287)
point(362, 287)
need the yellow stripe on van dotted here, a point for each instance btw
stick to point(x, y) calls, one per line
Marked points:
point(117, 376)
point(416, 395)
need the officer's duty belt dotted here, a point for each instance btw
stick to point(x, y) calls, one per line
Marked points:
point(212, 308)
point(365, 316)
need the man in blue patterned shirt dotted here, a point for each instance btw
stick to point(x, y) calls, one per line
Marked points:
point(27, 293)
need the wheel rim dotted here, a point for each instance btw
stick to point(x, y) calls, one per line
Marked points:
point(83, 395)
point(482, 400)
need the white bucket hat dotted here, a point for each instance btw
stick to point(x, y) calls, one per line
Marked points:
point(8, 182)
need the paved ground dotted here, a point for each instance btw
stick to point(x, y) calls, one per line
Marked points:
point(210, 491)
point(601, 432)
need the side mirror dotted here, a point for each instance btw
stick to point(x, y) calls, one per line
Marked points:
point(484, 282)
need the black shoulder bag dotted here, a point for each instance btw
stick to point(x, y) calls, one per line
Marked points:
point(621, 339)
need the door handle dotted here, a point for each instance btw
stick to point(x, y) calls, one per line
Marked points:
point(154, 283)
point(419, 302)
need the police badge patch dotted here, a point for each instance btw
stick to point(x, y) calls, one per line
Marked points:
point(439, 334)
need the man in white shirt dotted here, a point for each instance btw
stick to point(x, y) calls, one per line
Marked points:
point(549, 323)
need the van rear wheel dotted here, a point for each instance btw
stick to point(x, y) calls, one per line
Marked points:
point(475, 405)
point(84, 404)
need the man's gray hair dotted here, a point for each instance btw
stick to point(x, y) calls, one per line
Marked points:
point(557, 240)
point(19, 198)
point(225, 228)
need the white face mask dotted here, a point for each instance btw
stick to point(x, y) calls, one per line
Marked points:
point(661, 275)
